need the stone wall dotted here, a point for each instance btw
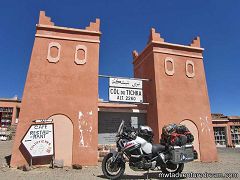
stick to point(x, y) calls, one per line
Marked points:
point(103, 150)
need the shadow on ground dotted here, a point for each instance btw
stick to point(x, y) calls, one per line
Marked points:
point(8, 159)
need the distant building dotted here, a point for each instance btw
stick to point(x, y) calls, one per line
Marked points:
point(9, 111)
point(226, 130)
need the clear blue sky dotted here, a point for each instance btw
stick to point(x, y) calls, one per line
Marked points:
point(125, 26)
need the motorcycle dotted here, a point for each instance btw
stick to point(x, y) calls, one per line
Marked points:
point(142, 155)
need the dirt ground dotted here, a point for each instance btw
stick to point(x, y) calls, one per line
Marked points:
point(229, 162)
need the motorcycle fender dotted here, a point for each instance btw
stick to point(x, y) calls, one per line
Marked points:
point(116, 155)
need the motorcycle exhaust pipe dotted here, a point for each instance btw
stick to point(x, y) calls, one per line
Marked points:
point(161, 159)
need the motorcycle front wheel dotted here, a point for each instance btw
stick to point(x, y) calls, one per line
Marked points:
point(112, 170)
point(172, 168)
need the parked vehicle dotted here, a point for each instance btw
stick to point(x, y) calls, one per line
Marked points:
point(137, 147)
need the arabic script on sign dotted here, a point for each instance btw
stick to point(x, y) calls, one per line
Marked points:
point(128, 83)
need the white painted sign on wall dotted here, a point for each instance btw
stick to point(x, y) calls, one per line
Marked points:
point(39, 140)
point(127, 83)
point(125, 95)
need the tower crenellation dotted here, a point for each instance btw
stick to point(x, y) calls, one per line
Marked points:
point(45, 20)
point(154, 36)
point(196, 42)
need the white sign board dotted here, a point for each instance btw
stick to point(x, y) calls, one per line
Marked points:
point(39, 140)
point(107, 138)
point(134, 122)
point(125, 95)
point(127, 83)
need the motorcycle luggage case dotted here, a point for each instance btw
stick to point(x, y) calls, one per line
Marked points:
point(182, 154)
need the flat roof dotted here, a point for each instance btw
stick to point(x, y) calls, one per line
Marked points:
point(14, 99)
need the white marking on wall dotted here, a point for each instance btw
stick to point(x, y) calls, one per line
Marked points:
point(205, 125)
point(85, 128)
point(90, 113)
point(80, 114)
point(81, 142)
point(135, 110)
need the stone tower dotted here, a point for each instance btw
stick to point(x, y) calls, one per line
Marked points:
point(62, 85)
point(177, 90)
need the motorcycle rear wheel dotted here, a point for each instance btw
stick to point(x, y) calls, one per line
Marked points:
point(112, 172)
point(172, 168)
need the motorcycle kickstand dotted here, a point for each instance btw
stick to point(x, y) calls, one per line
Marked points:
point(147, 174)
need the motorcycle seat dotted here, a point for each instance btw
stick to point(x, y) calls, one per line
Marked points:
point(157, 148)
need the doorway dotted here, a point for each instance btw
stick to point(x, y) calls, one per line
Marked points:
point(63, 138)
point(193, 129)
